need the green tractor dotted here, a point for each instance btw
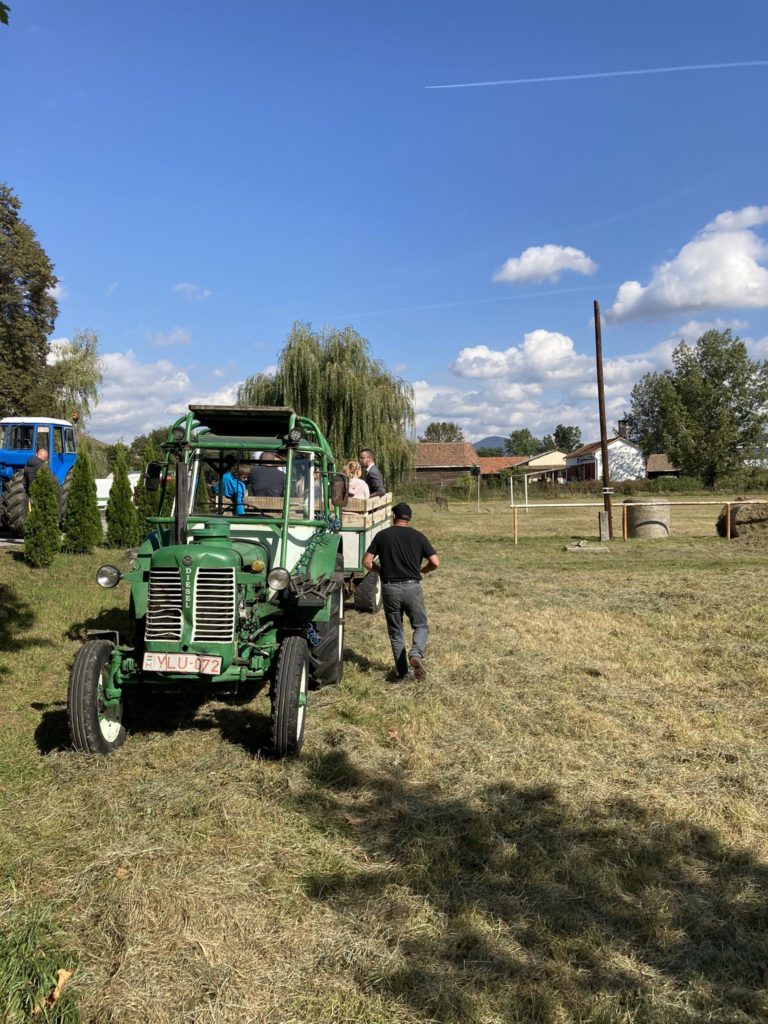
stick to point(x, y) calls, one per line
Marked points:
point(242, 588)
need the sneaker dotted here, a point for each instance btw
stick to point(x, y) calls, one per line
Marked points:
point(418, 666)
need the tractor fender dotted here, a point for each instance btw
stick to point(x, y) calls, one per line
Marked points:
point(103, 634)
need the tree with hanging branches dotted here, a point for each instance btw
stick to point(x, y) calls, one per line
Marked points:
point(331, 377)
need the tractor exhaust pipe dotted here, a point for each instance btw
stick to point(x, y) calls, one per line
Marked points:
point(181, 517)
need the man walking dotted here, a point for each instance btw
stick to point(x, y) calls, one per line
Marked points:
point(401, 551)
point(371, 473)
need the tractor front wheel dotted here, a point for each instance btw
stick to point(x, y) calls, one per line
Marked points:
point(368, 595)
point(94, 728)
point(16, 504)
point(289, 697)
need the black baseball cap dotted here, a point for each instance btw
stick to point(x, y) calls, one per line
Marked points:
point(402, 511)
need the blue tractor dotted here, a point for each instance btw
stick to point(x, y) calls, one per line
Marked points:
point(20, 438)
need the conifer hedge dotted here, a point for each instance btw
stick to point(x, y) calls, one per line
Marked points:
point(82, 522)
point(42, 536)
point(144, 500)
point(122, 522)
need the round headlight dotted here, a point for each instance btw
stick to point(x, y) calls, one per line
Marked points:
point(178, 433)
point(279, 579)
point(295, 435)
point(108, 576)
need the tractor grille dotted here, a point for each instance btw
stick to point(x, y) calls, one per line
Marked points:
point(215, 606)
point(164, 616)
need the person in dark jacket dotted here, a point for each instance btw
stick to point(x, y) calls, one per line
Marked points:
point(40, 458)
point(371, 473)
point(267, 478)
point(405, 555)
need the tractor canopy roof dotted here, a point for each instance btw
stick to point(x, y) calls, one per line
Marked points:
point(254, 427)
point(35, 419)
point(242, 421)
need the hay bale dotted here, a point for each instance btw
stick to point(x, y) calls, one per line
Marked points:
point(647, 519)
point(745, 519)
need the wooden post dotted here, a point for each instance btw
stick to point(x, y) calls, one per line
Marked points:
point(514, 517)
point(727, 520)
point(624, 521)
point(603, 427)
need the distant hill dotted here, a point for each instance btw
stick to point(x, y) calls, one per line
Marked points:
point(491, 442)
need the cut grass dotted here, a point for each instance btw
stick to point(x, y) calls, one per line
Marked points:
point(566, 823)
point(29, 964)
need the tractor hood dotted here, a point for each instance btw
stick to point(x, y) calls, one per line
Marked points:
point(194, 591)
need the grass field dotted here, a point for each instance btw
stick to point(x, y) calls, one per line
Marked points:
point(567, 822)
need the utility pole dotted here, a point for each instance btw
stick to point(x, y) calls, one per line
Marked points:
point(603, 427)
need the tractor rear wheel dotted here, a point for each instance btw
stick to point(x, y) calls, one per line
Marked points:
point(368, 596)
point(64, 496)
point(93, 727)
point(16, 504)
point(289, 697)
point(327, 659)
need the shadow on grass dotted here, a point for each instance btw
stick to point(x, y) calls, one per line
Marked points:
point(544, 911)
point(16, 616)
point(109, 619)
point(365, 664)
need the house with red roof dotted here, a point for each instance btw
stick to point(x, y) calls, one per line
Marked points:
point(438, 463)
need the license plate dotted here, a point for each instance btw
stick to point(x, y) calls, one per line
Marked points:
point(195, 664)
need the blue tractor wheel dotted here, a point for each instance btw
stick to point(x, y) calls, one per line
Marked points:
point(16, 504)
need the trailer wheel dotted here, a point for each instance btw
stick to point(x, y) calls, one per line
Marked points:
point(289, 697)
point(327, 659)
point(16, 504)
point(368, 596)
point(93, 728)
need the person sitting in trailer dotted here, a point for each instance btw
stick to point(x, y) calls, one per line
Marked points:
point(266, 478)
point(357, 487)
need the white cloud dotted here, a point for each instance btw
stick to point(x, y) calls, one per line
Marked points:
point(719, 268)
point(192, 292)
point(112, 287)
point(58, 291)
point(544, 263)
point(176, 336)
point(738, 220)
point(546, 381)
point(544, 355)
point(138, 397)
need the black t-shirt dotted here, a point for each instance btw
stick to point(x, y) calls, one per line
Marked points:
point(401, 550)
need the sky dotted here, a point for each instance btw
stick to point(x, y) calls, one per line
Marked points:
point(204, 175)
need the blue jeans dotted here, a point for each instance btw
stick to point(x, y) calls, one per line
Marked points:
point(408, 599)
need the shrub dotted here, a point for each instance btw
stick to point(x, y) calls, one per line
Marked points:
point(82, 522)
point(144, 500)
point(42, 537)
point(122, 524)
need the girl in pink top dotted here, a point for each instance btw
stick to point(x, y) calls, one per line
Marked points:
point(357, 488)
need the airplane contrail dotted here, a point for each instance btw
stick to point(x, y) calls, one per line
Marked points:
point(471, 302)
point(604, 74)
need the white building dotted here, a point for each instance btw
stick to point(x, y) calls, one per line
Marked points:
point(625, 461)
point(104, 486)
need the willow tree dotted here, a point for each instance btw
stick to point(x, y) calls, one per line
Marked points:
point(331, 377)
point(75, 372)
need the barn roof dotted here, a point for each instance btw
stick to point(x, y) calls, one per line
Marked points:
point(491, 464)
point(658, 462)
point(453, 455)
